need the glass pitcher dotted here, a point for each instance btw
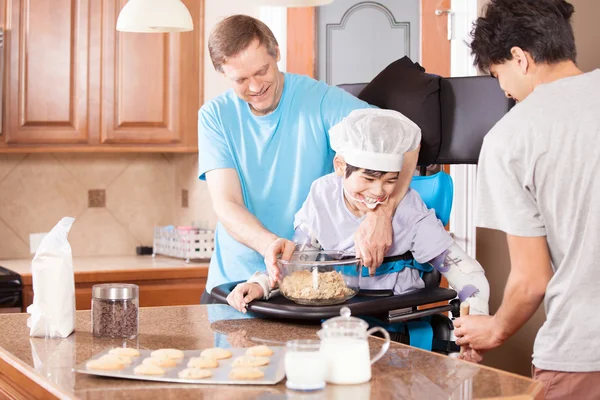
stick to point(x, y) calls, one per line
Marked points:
point(346, 348)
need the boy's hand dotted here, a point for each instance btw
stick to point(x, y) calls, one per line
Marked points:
point(243, 294)
point(278, 246)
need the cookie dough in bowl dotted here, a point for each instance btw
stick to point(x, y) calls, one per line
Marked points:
point(320, 277)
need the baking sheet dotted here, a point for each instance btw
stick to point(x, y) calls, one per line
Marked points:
point(274, 371)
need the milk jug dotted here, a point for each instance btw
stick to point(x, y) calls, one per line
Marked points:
point(346, 348)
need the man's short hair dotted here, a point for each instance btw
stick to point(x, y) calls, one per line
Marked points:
point(234, 34)
point(540, 27)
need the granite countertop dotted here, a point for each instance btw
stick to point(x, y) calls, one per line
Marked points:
point(103, 264)
point(403, 373)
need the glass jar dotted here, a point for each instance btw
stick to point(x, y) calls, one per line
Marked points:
point(115, 310)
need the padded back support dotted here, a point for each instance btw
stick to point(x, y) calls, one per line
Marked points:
point(470, 107)
point(437, 192)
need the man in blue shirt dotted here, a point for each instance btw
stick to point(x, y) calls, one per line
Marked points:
point(262, 144)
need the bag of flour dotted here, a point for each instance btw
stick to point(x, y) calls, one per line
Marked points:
point(53, 308)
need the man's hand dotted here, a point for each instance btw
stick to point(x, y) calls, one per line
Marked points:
point(279, 246)
point(373, 239)
point(243, 294)
point(479, 332)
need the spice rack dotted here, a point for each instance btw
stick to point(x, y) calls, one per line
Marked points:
point(188, 243)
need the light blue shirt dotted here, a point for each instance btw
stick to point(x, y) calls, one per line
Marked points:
point(276, 156)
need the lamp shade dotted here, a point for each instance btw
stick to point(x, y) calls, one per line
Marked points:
point(155, 16)
point(293, 3)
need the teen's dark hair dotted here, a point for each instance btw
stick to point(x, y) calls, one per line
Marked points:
point(350, 169)
point(540, 27)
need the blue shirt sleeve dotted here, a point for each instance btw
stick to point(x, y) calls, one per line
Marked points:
point(213, 149)
point(337, 104)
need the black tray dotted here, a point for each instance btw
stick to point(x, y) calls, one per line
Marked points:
point(360, 305)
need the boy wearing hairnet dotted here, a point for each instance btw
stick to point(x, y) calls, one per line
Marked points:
point(370, 145)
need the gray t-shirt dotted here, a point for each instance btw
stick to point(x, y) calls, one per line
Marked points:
point(415, 227)
point(538, 176)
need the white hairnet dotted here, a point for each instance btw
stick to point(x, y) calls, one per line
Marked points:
point(375, 139)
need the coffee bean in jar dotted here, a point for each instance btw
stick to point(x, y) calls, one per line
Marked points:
point(115, 310)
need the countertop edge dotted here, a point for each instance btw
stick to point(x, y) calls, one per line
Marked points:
point(184, 272)
point(13, 369)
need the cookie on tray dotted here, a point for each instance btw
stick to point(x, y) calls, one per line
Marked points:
point(262, 351)
point(160, 362)
point(216, 352)
point(124, 351)
point(194, 373)
point(250, 361)
point(148, 369)
point(203, 362)
point(167, 353)
point(242, 374)
point(113, 357)
point(104, 365)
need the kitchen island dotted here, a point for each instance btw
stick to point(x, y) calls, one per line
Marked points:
point(36, 368)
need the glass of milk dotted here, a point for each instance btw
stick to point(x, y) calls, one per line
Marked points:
point(304, 365)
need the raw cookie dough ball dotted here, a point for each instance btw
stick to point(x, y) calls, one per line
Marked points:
point(104, 365)
point(246, 374)
point(124, 351)
point(250, 361)
point(148, 369)
point(217, 353)
point(203, 362)
point(167, 353)
point(160, 362)
point(262, 350)
point(194, 373)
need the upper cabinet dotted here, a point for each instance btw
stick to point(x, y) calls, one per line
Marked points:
point(73, 83)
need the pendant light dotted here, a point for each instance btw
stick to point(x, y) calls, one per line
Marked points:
point(154, 16)
point(293, 3)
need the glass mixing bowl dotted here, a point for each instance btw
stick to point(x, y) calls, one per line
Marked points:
point(317, 277)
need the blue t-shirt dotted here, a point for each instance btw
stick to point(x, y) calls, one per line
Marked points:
point(277, 157)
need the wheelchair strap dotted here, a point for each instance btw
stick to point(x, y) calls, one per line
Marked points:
point(402, 257)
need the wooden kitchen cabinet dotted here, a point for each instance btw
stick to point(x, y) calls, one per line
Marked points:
point(73, 83)
point(158, 287)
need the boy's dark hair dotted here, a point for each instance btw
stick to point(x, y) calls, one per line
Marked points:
point(540, 27)
point(234, 34)
point(350, 169)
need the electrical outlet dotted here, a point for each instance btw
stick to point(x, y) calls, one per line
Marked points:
point(97, 198)
point(35, 239)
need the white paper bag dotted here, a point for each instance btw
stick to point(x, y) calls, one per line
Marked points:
point(53, 308)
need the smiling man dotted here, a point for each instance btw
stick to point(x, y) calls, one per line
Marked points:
point(262, 144)
point(538, 182)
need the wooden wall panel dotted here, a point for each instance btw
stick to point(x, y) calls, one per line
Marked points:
point(301, 44)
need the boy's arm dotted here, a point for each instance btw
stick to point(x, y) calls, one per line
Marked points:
point(262, 279)
point(466, 276)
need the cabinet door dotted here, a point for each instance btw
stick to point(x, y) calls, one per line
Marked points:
point(142, 86)
point(47, 71)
